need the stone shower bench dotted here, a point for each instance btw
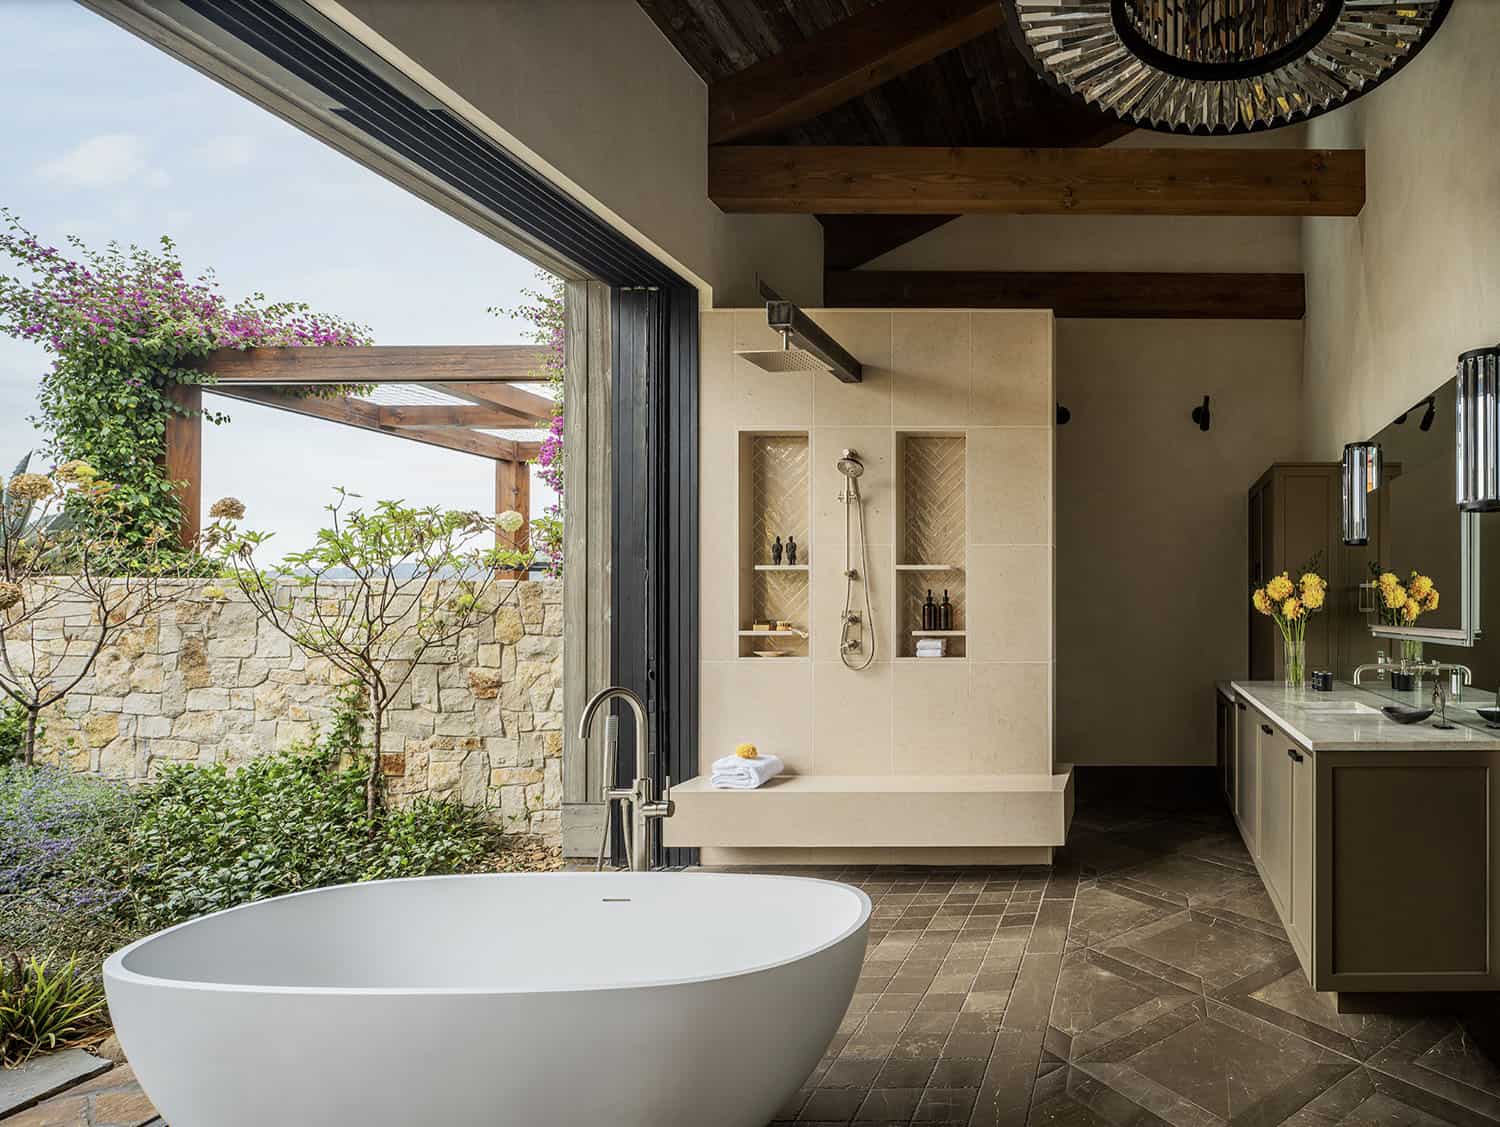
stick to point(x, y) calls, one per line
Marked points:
point(893, 819)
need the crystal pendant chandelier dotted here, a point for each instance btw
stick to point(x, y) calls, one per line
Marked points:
point(1221, 66)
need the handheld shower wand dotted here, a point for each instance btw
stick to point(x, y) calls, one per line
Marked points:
point(851, 645)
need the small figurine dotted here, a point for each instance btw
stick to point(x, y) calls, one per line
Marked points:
point(791, 550)
point(776, 552)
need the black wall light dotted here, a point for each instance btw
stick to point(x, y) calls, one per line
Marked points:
point(1477, 423)
point(1201, 415)
point(1063, 415)
point(1361, 477)
point(1428, 416)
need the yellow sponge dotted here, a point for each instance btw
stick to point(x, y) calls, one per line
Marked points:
point(747, 751)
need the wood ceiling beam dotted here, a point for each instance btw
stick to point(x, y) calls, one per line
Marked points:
point(366, 416)
point(1277, 297)
point(380, 363)
point(850, 241)
point(857, 54)
point(892, 180)
point(452, 415)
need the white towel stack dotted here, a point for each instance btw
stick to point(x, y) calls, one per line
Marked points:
point(932, 647)
point(734, 773)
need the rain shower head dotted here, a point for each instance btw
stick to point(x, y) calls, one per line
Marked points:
point(784, 359)
point(850, 465)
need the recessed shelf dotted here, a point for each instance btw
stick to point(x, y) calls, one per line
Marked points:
point(938, 633)
point(928, 567)
point(780, 567)
point(773, 633)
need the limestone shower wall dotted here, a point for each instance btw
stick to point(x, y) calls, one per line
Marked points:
point(206, 682)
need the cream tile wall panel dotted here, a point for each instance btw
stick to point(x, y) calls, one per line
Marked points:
point(828, 603)
point(867, 337)
point(876, 447)
point(1012, 368)
point(764, 701)
point(1010, 603)
point(931, 720)
point(1010, 485)
point(852, 718)
point(718, 551)
point(930, 355)
point(1012, 715)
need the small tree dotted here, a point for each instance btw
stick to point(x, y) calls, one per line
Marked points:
point(377, 592)
point(62, 556)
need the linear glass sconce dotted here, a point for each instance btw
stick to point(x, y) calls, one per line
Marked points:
point(1361, 478)
point(1478, 423)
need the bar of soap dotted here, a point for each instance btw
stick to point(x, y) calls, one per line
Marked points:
point(747, 751)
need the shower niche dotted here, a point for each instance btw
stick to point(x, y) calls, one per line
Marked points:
point(931, 538)
point(774, 504)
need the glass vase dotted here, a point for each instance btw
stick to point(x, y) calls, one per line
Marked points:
point(1294, 658)
point(1411, 650)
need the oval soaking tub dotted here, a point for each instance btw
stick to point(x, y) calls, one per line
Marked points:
point(564, 999)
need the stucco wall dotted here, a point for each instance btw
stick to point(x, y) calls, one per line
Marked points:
point(204, 681)
point(1395, 293)
point(592, 95)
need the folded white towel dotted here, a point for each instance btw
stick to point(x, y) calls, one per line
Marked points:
point(932, 647)
point(734, 773)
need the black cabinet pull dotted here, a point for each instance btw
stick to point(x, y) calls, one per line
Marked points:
point(1294, 755)
point(1266, 728)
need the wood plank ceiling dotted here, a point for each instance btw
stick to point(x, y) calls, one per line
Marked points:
point(915, 74)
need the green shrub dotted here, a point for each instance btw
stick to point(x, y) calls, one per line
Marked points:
point(45, 1006)
point(65, 861)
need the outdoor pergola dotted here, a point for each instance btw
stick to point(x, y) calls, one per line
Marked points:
point(455, 397)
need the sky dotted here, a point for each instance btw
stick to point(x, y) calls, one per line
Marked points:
point(106, 137)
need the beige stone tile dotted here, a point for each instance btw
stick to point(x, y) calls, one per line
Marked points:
point(719, 550)
point(867, 337)
point(930, 724)
point(852, 718)
point(766, 702)
point(746, 396)
point(828, 592)
point(1009, 611)
point(1012, 368)
point(1010, 485)
point(1012, 709)
point(930, 356)
point(877, 486)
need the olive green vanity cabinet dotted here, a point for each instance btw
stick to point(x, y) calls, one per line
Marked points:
point(1380, 863)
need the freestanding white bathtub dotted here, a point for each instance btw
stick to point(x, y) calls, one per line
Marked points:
point(568, 999)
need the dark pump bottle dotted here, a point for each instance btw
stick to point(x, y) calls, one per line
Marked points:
point(945, 614)
point(929, 613)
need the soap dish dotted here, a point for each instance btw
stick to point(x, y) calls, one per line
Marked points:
point(1403, 715)
point(1490, 716)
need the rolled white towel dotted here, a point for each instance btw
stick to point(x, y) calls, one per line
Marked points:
point(734, 773)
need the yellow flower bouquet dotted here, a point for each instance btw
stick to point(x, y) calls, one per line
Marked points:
point(1401, 604)
point(1290, 604)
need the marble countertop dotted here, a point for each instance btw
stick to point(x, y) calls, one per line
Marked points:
point(1315, 720)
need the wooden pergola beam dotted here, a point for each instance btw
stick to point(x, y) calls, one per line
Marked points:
point(882, 179)
point(855, 55)
point(376, 364)
point(366, 416)
point(451, 415)
point(182, 459)
point(1074, 293)
point(517, 400)
point(513, 491)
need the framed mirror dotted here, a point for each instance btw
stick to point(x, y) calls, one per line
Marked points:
point(1417, 528)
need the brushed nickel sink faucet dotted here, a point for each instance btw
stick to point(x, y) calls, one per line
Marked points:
point(640, 810)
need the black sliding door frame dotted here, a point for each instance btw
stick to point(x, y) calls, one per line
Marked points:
point(296, 63)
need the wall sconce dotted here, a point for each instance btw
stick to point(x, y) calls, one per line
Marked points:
point(1201, 416)
point(1063, 415)
point(1361, 477)
point(1477, 420)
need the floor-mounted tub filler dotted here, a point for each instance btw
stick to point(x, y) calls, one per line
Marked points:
point(661, 999)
